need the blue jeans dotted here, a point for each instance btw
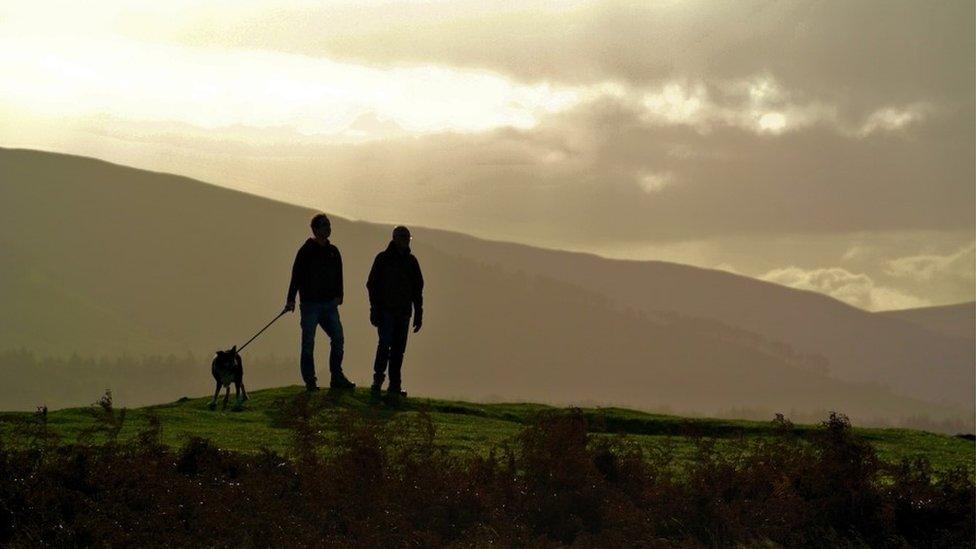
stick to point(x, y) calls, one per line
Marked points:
point(392, 331)
point(326, 315)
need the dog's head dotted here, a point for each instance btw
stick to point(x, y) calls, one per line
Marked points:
point(226, 360)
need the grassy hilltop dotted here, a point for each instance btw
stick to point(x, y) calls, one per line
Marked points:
point(463, 427)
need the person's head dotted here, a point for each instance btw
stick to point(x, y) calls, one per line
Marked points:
point(321, 226)
point(401, 237)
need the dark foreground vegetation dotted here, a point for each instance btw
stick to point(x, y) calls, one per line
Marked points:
point(386, 482)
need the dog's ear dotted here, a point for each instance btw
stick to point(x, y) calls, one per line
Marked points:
point(233, 349)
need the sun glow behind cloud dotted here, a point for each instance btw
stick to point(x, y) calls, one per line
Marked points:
point(220, 88)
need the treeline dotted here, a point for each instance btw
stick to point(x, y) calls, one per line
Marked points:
point(387, 483)
point(954, 426)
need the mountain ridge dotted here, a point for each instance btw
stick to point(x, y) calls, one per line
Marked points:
point(537, 334)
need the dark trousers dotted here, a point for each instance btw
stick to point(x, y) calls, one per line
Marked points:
point(392, 331)
point(326, 315)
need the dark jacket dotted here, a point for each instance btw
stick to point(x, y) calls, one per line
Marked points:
point(317, 272)
point(395, 282)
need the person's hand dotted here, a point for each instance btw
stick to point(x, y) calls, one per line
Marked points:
point(290, 306)
point(374, 317)
point(417, 323)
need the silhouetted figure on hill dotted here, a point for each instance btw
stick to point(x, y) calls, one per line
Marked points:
point(395, 286)
point(316, 276)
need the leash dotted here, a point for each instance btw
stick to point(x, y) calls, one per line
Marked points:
point(262, 330)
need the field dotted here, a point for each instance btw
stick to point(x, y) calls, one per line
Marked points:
point(465, 428)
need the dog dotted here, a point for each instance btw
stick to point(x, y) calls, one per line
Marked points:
point(228, 368)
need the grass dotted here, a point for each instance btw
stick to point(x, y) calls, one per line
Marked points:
point(470, 427)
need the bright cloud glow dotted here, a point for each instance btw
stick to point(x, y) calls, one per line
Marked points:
point(137, 62)
point(892, 119)
point(926, 267)
point(675, 104)
point(756, 104)
point(856, 289)
point(773, 122)
point(655, 182)
point(218, 88)
point(760, 105)
point(84, 76)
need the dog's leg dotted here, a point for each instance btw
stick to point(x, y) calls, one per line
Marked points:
point(237, 396)
point(244, 392)
point(226, 397)
point(213, 403)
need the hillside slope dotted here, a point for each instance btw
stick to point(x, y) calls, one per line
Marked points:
point(957, 320)
point(187, 266)
point(855, 345)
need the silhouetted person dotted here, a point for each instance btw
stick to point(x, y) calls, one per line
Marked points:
point(395, 286)
point(317, 277)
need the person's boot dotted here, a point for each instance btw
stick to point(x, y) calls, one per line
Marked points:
point(394, 393)
point(339, 381)
point(376, 390)
point(311, 386)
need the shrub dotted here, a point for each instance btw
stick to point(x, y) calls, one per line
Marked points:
point(384, 481)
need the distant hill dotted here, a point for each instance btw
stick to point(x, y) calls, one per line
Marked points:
point(957, 320)
point(853, 344)
point(108, 259)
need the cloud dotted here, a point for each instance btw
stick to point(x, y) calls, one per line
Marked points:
point(877, 66)
point(144, 82)
point(861, 54)
point(140, 81)
point(856, 289)
point(655, 182)
point(930, 267)
point(855, 251)
point(760, 104)
point(893, 118)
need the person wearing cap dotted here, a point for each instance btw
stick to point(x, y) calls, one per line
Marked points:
point(316, 276)
point(395, 287)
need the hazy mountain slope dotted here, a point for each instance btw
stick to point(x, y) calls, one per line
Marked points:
point(859, 345)
point(42, 313)
point(200, 267)
point(957, 320)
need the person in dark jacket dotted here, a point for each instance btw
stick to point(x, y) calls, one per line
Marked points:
point(395, 287)
point(316, 276)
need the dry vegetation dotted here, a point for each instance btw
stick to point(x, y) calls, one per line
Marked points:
point(381, 482)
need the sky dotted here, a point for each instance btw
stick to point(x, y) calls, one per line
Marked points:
point(828, 146)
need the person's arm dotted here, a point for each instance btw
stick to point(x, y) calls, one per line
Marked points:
point(339, 258)
point(372, 287)
point(296, 275)
point(418, 296)
point(373, 282)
